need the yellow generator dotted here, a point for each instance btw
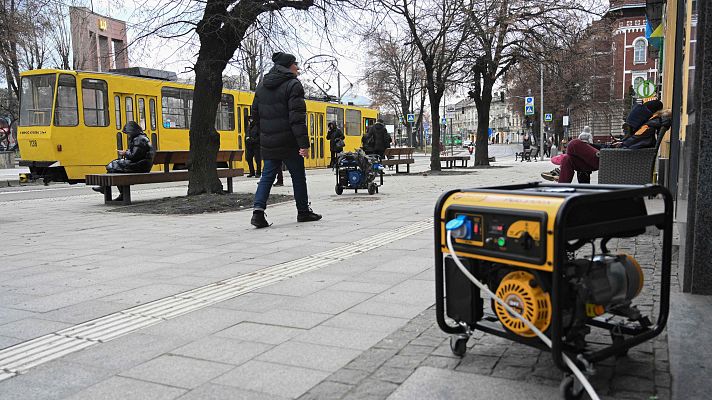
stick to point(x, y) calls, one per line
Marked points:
point(537, 253)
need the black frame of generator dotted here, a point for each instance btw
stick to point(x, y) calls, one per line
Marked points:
point(582, 195)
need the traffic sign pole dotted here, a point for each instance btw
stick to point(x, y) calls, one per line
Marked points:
point(541, 113)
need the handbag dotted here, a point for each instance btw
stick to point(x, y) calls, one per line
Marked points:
point(339, 143)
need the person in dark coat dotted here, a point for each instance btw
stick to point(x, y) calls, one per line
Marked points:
point(376, 140)
point(280, 114)
point(336, 142)
point(138, 157)
point(252, 152)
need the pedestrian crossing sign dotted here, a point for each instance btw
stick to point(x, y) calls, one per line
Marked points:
point(411, 117)
point(548, 117)
point(529, 110)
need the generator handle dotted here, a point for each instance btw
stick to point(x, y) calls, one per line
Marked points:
point(439, 270)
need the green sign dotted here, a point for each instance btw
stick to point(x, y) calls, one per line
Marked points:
point(645, 89)
point(548, 117)
point(528, 110)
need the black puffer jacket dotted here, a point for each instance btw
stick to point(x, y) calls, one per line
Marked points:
point(280, 115)
point(332, 136)
point(376, 139)
point(140, 153)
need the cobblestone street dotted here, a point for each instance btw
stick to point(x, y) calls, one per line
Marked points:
point(378, 372)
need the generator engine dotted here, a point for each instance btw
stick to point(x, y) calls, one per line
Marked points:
point(606, 284)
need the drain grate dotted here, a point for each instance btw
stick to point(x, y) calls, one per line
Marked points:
point(18, 359)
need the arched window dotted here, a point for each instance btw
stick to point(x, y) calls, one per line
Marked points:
point(640, 52)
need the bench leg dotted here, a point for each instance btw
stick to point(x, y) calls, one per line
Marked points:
point(407, 169)
point(397, 168)
point(229, 185)
point(125, 194)
point(107, 194)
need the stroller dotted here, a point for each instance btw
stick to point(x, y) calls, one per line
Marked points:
point(356, 170)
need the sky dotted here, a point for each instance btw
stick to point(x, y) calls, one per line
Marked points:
point(179, 54)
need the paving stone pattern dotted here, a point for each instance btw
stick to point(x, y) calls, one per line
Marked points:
point(377, 372)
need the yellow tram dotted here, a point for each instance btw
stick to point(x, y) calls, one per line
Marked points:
point(70, 121)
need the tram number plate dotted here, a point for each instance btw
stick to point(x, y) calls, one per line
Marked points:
point(33, 143)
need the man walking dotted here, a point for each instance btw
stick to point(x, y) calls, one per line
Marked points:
point(279, 113)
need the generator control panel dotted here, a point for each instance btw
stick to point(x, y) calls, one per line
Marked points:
point(507, 234)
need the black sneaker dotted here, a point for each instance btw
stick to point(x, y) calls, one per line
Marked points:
point(278, 183)
point(259, 220)
point(308, 216)
point(99, 189)
point(549, 176)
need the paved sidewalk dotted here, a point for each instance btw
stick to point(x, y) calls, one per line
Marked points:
point(357, 327)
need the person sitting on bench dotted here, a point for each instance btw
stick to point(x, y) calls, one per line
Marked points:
point(643, 123)
point(138, 157)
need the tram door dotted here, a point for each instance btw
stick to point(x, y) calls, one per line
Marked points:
point(146, 117)
point(124, 111)
point(311, 161)
point(322, 147)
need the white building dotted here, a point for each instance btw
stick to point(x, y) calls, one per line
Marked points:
point(462, 119)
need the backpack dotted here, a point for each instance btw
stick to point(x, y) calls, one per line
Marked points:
point(370, 140)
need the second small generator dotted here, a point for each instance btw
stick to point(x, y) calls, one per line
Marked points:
point(538, 254)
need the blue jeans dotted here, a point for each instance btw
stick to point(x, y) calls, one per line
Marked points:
point(295, 165)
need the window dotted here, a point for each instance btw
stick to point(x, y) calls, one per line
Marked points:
point(637, 81)
point(246, 119)
point(142, 113)
point(353, 122)
point(95, 96)
point(36, 100)
point(152, 111)
point(640, 51)
point(334, 114)
point(176, 106)
point(129, 109)
point(117, 111)
point(225, 118)
point(66, 112)
point(239, 120)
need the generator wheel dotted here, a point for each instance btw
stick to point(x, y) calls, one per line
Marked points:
point(372, 189)
point(568, 391)
point(458, 345)
point(339, 189)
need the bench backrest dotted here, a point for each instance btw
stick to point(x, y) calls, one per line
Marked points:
point(181, 157)
point(407, 152)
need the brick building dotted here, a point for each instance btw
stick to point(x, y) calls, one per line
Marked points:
point(98, 42)
point(633, 60)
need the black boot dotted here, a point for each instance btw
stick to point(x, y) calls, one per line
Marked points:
point(308, 216)
point(99, 189)
point(259, 220)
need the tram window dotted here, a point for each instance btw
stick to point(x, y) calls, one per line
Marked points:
point(36, 100)
point(335, 114)
point(129, 109)
point(353, 122)
point(176, 107)
point(239, 119)
point(117, 111)
point(152, 111)
point(142, 113)
point(66, 111)
point(95, 96)
point(225, 118)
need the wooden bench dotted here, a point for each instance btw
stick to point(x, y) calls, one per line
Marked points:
point(397, 156)
point(526, 155)
point(450, 161)
point(167, 158)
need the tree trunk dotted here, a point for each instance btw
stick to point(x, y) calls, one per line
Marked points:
point(204, 139)
point(435, 121)
point(483, 116)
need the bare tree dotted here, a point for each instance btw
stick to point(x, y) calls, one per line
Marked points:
point(394, 77)
point(439, 30)
point(506, 32)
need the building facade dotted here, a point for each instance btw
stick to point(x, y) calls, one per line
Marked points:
point(98, 42)
point(634, 61)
